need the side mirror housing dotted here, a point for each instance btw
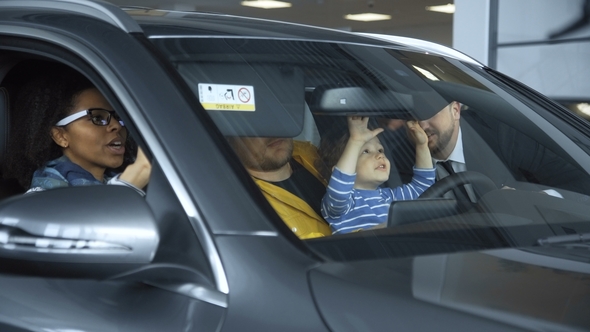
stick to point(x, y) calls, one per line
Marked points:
point(92, 231)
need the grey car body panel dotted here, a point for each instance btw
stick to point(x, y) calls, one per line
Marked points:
point(467, 284)
point(53, 304)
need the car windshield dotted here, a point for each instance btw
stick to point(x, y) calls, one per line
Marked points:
point(526, 169)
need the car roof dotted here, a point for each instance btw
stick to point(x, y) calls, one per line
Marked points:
point(165, 23)
point(427, 46)
point(98, 9)
point(179, 23)
point(218, 24)
point(169, 23)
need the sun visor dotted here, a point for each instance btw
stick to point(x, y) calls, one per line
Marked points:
point(479, 97)
point(354, 100)
point(249, 99)
point(427, 104)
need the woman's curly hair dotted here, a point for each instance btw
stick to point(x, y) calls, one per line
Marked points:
point(37, 105)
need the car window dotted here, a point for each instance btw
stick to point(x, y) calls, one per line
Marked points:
point(527, 178)
point(177, 241)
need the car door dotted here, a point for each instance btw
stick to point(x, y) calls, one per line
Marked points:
point(176, 289)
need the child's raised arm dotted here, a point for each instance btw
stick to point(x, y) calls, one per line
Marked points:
point(420, 139)
point(359, 135)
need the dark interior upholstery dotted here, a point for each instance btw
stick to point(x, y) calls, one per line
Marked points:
point(8, 187)
point(4, 121)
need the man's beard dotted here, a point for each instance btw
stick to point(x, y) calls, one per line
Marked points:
point(444, 138)
point(264, 163)
point(274, 164)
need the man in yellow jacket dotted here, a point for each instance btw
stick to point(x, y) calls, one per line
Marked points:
point(285, 172)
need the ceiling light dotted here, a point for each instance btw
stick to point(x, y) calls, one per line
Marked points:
point(266, 4)
point(584, 108)
point(367, 17)
point(448, 8)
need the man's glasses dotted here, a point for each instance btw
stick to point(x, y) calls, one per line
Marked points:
point(99, 117)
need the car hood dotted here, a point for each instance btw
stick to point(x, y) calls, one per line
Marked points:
point(509, 289)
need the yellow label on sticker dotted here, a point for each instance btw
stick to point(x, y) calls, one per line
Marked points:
point(224, 97)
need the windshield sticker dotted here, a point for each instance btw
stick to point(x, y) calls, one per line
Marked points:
point(223, 97)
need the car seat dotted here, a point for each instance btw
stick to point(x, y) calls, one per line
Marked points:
point(310, 131)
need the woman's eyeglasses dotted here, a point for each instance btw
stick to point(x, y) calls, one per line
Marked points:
point(99, 117)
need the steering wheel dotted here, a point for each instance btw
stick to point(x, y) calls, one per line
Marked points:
point(481, 184)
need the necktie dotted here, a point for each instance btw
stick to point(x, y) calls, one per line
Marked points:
point(460, 192)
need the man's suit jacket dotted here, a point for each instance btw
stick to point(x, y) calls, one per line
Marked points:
point(479, 156)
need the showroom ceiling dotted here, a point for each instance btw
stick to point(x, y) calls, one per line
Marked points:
point(409, 18)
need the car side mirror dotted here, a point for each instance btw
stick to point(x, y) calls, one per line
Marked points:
point(88, 231)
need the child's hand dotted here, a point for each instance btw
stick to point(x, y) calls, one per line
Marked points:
point(416, 133)
point(357, 126)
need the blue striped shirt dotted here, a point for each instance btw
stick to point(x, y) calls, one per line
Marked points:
point(347, 209)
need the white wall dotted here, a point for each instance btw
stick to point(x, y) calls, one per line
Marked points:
point(471, 26)
point(524, 50)
point(562, 70)
point(533, 20)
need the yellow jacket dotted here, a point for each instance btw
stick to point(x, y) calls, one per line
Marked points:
point(294, 211)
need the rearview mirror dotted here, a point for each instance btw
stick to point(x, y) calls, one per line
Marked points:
point(359, 100)
point(365, 101)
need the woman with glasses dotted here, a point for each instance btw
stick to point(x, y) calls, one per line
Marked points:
point(65, 133)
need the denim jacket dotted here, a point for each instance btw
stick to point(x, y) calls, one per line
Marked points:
point(61, 172)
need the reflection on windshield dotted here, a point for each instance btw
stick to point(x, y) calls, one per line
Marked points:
point(476, 283)
point(504, 176)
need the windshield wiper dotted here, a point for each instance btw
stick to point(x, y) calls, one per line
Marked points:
point(564, 239)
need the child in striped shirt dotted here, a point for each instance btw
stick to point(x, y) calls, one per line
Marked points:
point(353, 200)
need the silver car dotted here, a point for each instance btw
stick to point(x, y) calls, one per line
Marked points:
point(214, 246)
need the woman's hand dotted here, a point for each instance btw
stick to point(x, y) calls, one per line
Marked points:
point(138, 173)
